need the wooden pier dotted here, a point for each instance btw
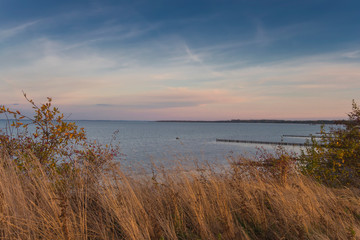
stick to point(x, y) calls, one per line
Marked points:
point(261, 142)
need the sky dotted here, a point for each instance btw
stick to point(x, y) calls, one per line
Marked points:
point(182, 60)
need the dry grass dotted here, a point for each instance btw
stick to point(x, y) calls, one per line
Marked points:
point(203, 204)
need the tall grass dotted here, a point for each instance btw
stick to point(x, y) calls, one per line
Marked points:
point(202, 204)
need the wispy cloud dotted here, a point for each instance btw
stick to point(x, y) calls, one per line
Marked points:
point(13, 31)
point(104, 105)
point(352, 54)
point(192, 57)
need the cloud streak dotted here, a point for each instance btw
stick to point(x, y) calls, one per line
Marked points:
point(13, 31)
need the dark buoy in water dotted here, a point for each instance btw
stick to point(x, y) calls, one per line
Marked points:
point(177, 138)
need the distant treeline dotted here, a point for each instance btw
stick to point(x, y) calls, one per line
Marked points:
point(264, 121)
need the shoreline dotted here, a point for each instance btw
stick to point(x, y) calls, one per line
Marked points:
point(260, 121)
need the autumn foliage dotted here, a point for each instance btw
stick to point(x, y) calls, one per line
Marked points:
point(335, 158)
point(59, 145)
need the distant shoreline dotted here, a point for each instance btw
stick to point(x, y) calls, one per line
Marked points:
point(263, 121)
point(219, 121)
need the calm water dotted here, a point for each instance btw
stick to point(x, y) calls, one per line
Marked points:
point(146, 141)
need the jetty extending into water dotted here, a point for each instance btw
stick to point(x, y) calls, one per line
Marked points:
point(262, 142)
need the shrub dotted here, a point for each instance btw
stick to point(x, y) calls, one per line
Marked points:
point(335, 158)
point(277, 166)
point(59, 145)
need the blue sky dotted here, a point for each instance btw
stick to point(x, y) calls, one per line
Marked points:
point(196, 60)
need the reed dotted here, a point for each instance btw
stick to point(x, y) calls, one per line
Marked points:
point(206, 203)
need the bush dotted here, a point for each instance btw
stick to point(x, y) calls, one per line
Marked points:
point(278, 165)
point(335, 158)
point(59, 145)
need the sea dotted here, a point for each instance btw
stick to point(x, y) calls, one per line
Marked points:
point(148, 142)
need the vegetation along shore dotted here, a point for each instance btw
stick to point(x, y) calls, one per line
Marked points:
point(56, 184)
